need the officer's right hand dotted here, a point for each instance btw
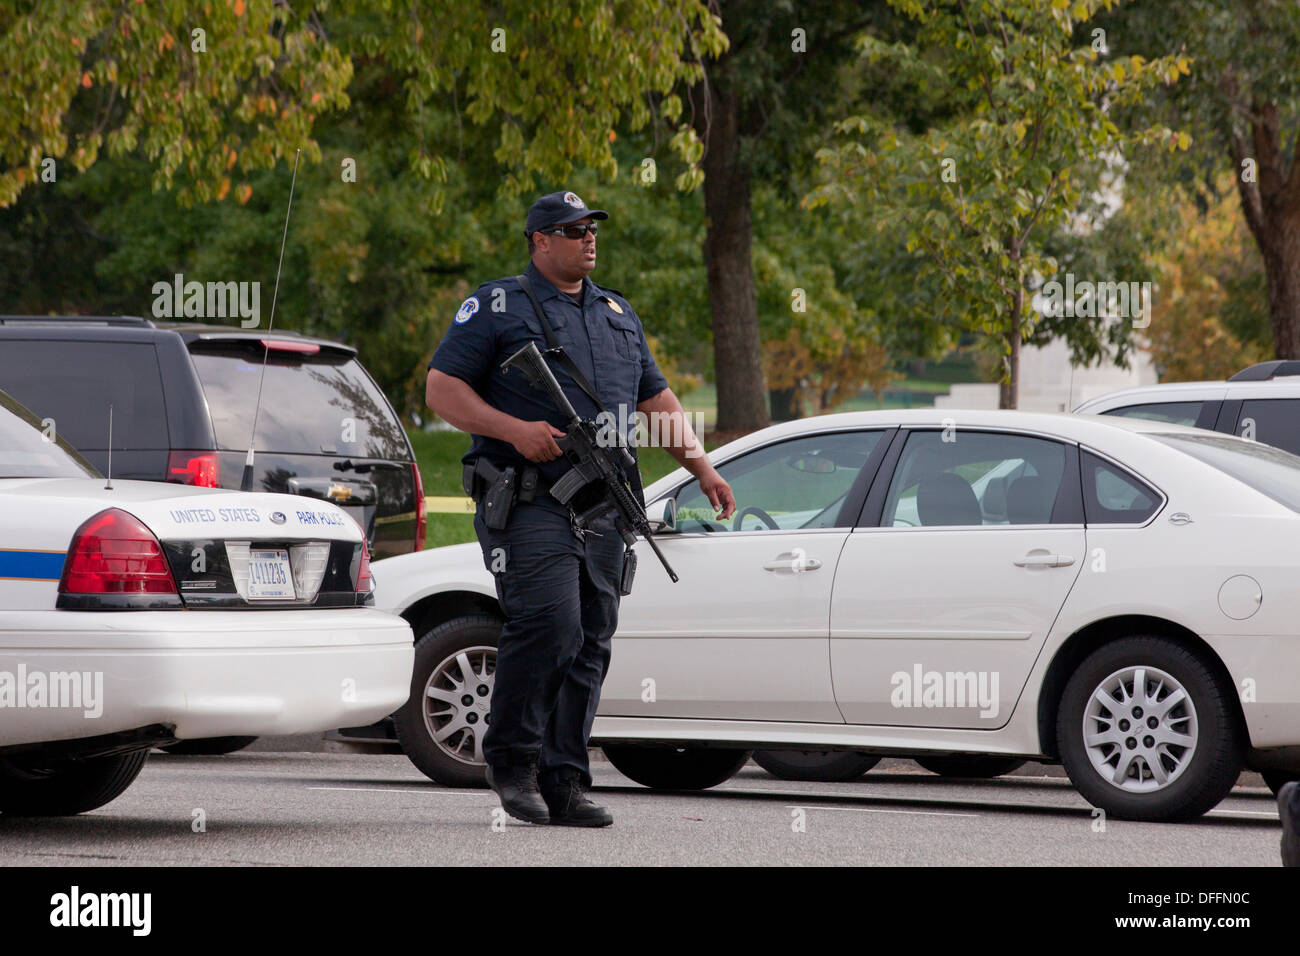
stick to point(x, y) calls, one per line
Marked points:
point(536, 440)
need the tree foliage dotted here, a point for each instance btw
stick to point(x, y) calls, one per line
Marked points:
point(981, 192)
point(1240, 107)
point(211, 92)
point(1211, 319)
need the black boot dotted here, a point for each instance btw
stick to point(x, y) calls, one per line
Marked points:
point(517, 787)
point(569, 806)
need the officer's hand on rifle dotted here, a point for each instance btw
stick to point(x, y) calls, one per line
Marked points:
point(536, 440)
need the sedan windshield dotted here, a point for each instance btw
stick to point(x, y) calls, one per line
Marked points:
point(1268, 470)
point(27, 452)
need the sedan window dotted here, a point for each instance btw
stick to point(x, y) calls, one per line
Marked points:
point(27, 450)
point(800, 483)
point(974, 478)
point(1269, 470)
point(1113, 496)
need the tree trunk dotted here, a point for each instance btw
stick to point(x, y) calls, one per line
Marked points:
point(1009, 391)
point(1270, 201)
point(737, 348)
point(785, 404)
point(1279, 244)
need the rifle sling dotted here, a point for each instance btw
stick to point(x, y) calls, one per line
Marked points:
point(553, 344)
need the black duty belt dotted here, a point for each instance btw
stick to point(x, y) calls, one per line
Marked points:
point(502, 487)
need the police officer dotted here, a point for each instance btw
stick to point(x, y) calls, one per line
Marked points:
point(557, 587)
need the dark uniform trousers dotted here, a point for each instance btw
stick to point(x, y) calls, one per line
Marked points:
point(560, 593)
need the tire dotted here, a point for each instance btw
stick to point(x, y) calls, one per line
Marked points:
point(1275, 780)
point(209, 746)
point(458, 760)
point(32, 787)
point(676, 768)
point(821, 766)
point(1196, 748)
point(970, 766)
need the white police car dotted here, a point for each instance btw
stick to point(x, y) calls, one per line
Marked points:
point(137, 613)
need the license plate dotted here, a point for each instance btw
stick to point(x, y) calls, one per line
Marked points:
point(269, 576)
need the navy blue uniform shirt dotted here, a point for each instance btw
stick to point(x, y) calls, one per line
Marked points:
point(597, 329)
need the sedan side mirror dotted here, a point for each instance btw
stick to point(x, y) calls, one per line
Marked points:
point(662, 515)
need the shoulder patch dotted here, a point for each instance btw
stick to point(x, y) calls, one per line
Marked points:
point(467, 310)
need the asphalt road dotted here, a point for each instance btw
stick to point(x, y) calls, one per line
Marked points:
point(276, 809)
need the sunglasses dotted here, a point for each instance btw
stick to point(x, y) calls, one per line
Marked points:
point(571, 232)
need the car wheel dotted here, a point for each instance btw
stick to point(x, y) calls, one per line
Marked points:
point(822, 766)
point(1275, 780)
point(971, 766)
point(32, 786)
point(209, 746)
point(1147, 731)
point(676, 768)
point(442, 723)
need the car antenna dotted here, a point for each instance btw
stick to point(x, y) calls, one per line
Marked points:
point(108, 482)
point(246, 482)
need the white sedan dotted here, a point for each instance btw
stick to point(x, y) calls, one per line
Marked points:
point(1121, 596)
point(134, 614)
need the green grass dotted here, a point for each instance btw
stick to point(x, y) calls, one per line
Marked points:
point(449, 529)
point(439, 455)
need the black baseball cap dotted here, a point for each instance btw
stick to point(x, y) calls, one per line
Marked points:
point(557, 209)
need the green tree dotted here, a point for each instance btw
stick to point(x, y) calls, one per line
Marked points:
point(981, 193)
point(209, 93)
point(1241, 106)
point(1211, 319)
point(760, 112)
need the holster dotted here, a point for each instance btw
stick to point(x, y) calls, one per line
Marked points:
point(498, 489)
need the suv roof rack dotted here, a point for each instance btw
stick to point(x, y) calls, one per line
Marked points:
point(1263, 371)
point(132, 320)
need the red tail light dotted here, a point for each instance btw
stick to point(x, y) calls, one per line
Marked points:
point(363, 570)
point(114, 553)
point(421, 513)
point(194, 468)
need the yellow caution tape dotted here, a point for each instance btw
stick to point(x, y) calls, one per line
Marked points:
point(449, 506)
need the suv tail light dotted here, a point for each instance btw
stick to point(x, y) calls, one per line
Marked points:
point(421, 513)
point(194, 468)
point(114, 555)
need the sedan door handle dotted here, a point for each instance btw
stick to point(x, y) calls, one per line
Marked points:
point(1044, 560)
point(792, 562)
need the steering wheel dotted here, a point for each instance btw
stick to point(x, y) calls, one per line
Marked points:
point(762, 516)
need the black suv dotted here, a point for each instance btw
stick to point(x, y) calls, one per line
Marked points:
point(183, 399)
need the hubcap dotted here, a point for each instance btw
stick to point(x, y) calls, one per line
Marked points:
point(1139, 729)
point(457, 698)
